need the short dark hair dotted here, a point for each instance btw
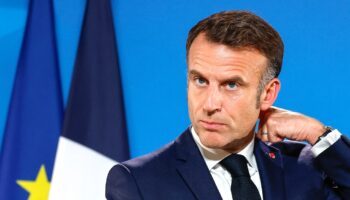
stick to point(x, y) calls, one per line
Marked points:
point(242, 30)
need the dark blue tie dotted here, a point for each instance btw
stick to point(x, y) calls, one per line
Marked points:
point(242, 186)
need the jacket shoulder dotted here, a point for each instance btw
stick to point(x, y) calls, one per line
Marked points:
point(121, 184)
point(127, 180)
point(151, 159)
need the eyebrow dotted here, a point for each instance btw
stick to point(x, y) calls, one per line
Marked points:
point(194, 72)
point(235, 78)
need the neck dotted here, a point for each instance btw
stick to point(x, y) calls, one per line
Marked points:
point(237, 146)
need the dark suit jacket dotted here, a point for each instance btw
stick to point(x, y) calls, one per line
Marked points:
point(287, 171)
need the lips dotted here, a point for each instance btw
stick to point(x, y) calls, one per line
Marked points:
point(211, 125)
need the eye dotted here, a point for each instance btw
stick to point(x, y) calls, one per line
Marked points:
point(231, 85)
point(200, 81)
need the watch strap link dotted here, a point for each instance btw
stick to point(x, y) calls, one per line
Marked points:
point(328, 130)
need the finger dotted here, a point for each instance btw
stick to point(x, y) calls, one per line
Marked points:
point(261, 129)
point(274, 138)
point(264, 134)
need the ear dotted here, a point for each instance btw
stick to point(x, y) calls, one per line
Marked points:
point(269, 94)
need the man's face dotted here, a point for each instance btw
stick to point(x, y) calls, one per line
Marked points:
point(222, 93)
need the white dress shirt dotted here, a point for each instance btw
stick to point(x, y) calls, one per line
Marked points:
point(325, 142)
point(222, 177)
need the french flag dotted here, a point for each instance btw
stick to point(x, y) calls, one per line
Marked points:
point(94, 136)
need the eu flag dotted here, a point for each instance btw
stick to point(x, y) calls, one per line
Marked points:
point(35, 112)
point(94, 132)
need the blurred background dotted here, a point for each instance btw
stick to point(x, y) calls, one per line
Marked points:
point(151, 36)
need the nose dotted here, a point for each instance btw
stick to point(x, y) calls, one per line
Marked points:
point(213, 102)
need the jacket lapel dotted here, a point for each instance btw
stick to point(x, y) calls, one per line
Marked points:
point(270, 166)
point(193, 169)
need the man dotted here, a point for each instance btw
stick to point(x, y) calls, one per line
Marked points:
point(234, 59)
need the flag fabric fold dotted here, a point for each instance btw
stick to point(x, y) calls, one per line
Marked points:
point(94, 134)
point(35, 113)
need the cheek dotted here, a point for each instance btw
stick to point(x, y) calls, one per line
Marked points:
point(237, 103)
point(248, 99)
point(242, 109)
point(194, 98)
point(232, 97)
point(192, 102)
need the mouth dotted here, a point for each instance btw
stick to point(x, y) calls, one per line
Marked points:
point(211, 125)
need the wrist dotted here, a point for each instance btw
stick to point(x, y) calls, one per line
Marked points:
point(326, 131)
point(318, 130)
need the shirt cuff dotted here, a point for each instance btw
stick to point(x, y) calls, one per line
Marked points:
point(325, 142)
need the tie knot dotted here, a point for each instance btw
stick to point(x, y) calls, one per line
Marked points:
point(236, 164)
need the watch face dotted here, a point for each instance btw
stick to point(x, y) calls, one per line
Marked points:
point(328, 130)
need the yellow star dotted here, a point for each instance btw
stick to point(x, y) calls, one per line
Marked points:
point(38, 189)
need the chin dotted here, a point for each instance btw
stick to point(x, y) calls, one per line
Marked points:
point(213, 140)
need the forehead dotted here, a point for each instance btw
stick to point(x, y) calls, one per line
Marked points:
point(218, 58)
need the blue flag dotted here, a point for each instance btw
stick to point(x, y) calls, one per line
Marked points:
point(35, 113)
point(94, 133)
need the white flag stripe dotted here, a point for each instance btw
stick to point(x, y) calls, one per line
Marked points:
point(79, 172)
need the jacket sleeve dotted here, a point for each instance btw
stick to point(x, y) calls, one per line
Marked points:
point(335, 163)
point(121, 184)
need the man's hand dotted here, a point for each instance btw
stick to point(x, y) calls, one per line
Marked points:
point(277, 124)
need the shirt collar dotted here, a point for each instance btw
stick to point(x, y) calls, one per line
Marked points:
point(213, 156)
